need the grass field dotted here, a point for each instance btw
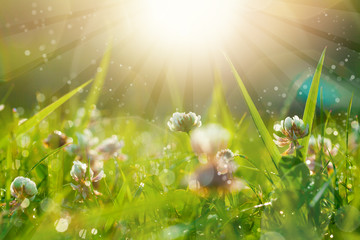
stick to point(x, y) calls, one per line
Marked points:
point(149, 181)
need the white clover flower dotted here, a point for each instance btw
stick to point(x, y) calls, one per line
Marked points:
point(292, 129)
point(110, 146)
point(79, 174)
point(209, 139)
point(22, 188)
point(55, 140)
point(225, 162)
point(184, 122)
point(79, 171)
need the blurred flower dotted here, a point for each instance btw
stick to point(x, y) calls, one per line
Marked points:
point(314, 149)
point(225, 161)
point(184, 122)
point(110, 147)
point(96, 161)
point(55, 140)
point(328, 148)
point(22, 188)
point(217, 174)
point(292, 129)
point(209, 139)
point(85, 141)
point(80, 174)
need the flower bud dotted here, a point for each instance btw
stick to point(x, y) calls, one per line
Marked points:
point(55, 140)
point(22, 188)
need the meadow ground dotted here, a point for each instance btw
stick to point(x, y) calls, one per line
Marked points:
point(192, 177)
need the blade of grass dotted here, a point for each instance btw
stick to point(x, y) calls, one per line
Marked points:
point(44, 158)
point(265, 135)
point(348, 163)
point(310, 106)
point(7, 94)
point(38, 117)
point(96, 87)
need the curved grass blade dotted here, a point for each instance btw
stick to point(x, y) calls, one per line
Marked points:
point(310, 106)
point(96, 87)
point(265, 135)
point(38, 117)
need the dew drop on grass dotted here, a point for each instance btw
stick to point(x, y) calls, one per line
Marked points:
point(25, 203)
point(61, 225)
point(82, 233)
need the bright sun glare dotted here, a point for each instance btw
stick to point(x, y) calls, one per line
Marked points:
point(194, 21)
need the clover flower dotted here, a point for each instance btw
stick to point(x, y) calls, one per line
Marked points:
point(210, 139)
point(110, 147)
point(225, 161)
point(55, 140)
point(216, 174)
point(80, 174)
point(22, 188)
point(292, 129)
point(85, 141)
point(78, 171)
point(314, 148)
point(184, 122)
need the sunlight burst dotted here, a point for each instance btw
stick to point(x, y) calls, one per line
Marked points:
point(189, 21)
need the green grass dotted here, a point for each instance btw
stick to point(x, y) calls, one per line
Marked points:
point(147, 197)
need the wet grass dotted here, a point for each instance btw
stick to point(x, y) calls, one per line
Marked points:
point(146, 192)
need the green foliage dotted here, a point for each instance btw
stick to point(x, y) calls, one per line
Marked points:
point(310, 107)
point(146, 192)
point(36, 119)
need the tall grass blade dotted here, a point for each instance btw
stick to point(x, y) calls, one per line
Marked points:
point(265, 135)
point(96, 87)
point(348, 163)
point(310, 106)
